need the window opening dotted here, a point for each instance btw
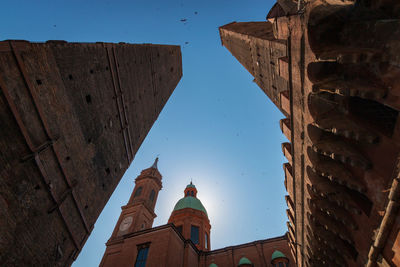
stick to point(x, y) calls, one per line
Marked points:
point(194, 234)
point(152, 195)
point(138, 192)
point(142, 256)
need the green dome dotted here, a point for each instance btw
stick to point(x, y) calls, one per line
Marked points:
point(190, 185)
point(277, 254)
point(212, 265)
point(244, 261)
point(190, 202)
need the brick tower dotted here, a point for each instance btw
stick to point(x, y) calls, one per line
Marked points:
point(75, 115)
point(332, 68)
point(139, 214)
point(191, 219)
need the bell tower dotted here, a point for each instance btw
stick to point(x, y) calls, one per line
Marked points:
point(139, 214)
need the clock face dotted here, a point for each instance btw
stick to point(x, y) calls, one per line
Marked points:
point(126, 222)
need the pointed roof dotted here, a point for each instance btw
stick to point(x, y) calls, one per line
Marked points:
point(151, 172)
point(154, 166)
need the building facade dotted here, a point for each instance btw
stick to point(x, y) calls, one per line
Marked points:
point(72, 117)
point(185, 240)
point(332, 68)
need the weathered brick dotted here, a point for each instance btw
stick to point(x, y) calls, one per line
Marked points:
point(72, 117)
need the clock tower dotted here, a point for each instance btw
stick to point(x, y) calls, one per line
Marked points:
point(139, 214)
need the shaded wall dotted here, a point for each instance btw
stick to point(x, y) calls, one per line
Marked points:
point(72, 118)
point(341, 112)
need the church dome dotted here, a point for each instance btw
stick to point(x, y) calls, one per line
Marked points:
point(190, 202)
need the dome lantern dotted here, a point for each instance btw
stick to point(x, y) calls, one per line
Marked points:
point(190, 190)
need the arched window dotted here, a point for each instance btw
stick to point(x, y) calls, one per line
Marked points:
point(152, 195)
point(192, 193)
point(138, 192)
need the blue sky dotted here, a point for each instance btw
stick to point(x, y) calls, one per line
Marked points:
point(218, 128)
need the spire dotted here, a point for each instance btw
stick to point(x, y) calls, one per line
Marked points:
point(154, 166)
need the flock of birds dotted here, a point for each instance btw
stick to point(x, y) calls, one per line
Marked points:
point(185, 21)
